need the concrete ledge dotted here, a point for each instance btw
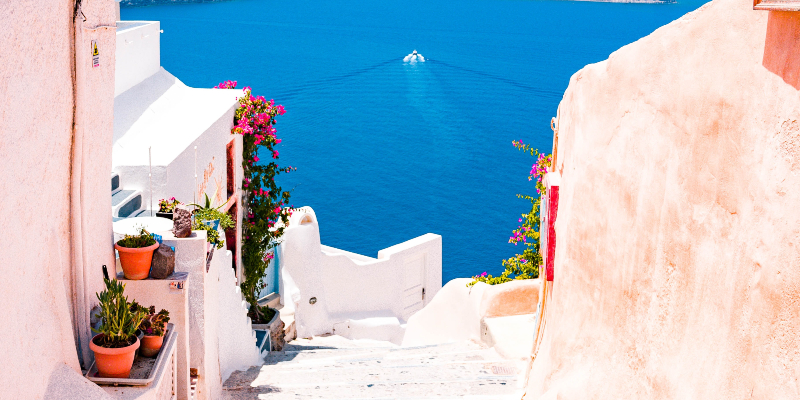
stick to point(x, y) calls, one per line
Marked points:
point(511, 337)
point(511, 298)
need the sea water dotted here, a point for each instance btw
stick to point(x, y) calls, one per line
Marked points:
point(388, 150)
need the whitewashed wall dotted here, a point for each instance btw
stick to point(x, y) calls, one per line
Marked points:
point(237, 341)
point(54, 135)
point(181, 131)
point(138, 53)
point(221, 339)
point(353, 287)
point(163, 117)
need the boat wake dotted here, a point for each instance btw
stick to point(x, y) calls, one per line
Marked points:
point(414, 58)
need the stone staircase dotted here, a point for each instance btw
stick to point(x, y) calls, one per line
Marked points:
point(336, 368)
point(125, 203)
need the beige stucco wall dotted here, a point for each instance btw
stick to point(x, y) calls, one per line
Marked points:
point(677, 270)
point(55, 211)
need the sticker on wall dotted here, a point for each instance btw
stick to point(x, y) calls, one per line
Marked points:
point(178, 280)
point(95, 55)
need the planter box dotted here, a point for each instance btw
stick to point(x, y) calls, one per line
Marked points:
point(144, 370)
point(275, 329)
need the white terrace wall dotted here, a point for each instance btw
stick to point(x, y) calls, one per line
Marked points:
point(349, 286)
point(171, 118)
point(54, 183)
point(159, 120)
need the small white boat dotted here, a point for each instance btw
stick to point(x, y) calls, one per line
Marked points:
point(414, 57)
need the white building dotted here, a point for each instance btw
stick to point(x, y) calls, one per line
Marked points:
point(82, 95)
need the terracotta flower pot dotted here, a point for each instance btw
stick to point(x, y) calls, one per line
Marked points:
point(140, 335)
point(113, 362)
point(151, 345)
point(136, 262)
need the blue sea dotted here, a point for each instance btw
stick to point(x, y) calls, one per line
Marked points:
point(385, 150)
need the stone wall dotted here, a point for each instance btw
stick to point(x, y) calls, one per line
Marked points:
point(677, 268)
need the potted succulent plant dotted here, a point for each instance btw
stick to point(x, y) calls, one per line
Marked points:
point(213, 237)
point(136, 254)
point(210, 219)
point(211, 216)
point(115, 344)
point(154, 326)
point(166, 207)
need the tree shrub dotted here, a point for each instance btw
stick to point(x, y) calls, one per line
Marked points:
point(262, 199)
point(524, 265)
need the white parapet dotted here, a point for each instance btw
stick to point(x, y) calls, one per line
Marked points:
point(329, 288)
point(138, 54)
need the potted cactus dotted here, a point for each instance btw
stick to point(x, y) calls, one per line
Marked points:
point(136, 254)
point(115, 345)
point(154, 326)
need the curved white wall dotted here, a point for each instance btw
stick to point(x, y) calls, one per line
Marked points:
point(349, 286)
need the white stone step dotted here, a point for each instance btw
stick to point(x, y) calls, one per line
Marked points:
point(126, 202)
point(388, 329)
point(320, 357)
point(116, 186)
point(336, 368)
point(430, 389)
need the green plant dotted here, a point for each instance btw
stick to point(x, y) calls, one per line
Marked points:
point(143, 239)
point(206, 206)
point(119, 319)
point(524, 265)
point(154, 324)
point(209, 213)
point(225, 220)
point(265, 214)
point(167, 206)
point(264, 313)
point(212, 235)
